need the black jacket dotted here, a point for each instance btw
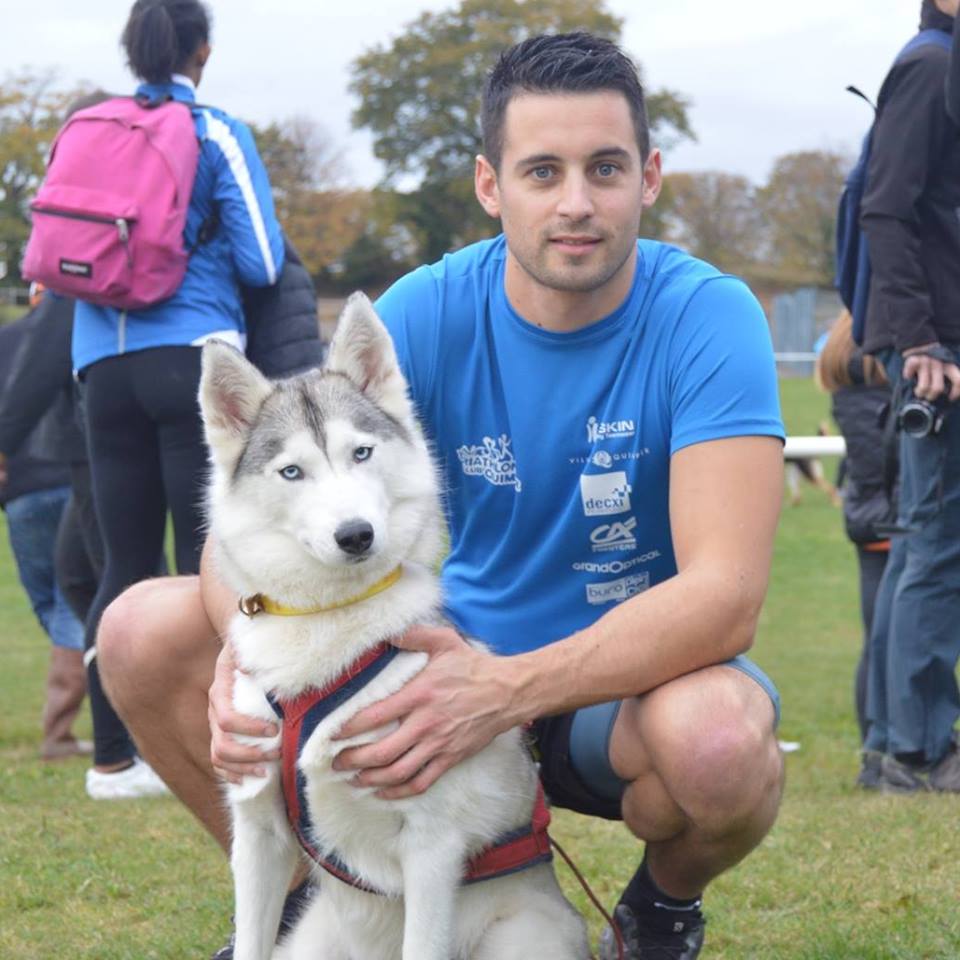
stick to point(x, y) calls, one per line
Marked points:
point(283, 328)
point(953, 80)
point(34, 464)
point(910, 207)
point(867, 501)
point(40, 379)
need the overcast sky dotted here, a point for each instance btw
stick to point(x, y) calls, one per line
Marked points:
point(764, 78)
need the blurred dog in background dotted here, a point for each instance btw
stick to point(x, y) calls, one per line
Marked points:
point(798, 469)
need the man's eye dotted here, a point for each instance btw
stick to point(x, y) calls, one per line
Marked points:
point(541, 173)
point(291, 472)
point(606, 169)
point(362, 453)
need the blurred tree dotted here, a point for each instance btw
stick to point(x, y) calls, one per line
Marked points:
point(420, 97)
point(321, 216)
point(714, 216)
point(799, 207)
point(31, 110)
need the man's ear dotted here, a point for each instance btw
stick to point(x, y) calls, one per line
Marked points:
point(652, 178)
point(486, 187)
point(362, 350)
point(232, 391)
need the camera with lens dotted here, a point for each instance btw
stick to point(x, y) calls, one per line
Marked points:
point(921, 418)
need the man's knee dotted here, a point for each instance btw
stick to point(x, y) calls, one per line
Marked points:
point(151, 637)
point(710, 741)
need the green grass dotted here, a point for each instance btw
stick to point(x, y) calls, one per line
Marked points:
point(842, 876)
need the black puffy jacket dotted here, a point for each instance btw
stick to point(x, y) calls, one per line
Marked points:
point(867, 501)
point(283, 329)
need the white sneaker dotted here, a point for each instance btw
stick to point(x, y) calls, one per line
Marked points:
point(138, 780)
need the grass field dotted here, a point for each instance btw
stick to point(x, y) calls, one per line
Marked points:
point(843, 875)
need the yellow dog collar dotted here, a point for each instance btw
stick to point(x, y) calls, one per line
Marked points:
point(258, 603)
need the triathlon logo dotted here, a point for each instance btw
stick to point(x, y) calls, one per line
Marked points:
point(493, 460)
point(605, 493)
point(598, 430)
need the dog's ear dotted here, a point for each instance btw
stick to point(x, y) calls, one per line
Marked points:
point(232, 390)
point(362, 350)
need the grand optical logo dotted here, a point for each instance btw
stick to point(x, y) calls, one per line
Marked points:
point(598, 430)
point(615, 566)
point(605, 493)
point(616, 591)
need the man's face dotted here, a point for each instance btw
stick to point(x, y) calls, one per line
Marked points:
point(570, 189)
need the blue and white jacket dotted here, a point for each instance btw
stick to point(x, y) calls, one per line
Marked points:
point(246, 248)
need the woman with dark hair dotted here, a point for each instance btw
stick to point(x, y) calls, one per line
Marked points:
point(859, 395)
point(141, 369)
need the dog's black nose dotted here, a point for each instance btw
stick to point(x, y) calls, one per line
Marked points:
point(354, 537)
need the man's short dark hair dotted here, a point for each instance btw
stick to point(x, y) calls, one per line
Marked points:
point(561, 63)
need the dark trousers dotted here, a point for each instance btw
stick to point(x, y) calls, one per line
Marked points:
point(871, 564)
point(79, 551)
point(147, 455)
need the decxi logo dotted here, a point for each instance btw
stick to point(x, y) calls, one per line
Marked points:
point(605, 494)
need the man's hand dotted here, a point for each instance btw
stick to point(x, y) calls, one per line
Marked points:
point(451, 710)
point(231, 759)
point(934, 377)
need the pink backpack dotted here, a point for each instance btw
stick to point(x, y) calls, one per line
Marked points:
point(108, 220)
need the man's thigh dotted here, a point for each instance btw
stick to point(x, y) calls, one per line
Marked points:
point(589, 757)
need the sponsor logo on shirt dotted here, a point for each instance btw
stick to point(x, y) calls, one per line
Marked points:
point(616, 591)
point(493, 460)
point(615, 566)
point(602, 459)
point(605, 493)
point(598, 430)
point(614, 536)
point(615, 457)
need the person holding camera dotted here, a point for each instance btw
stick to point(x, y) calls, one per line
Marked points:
point(909, 216)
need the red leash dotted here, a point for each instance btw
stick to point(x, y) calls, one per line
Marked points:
point(621, 948)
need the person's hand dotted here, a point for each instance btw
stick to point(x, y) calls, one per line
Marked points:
point(230, 758)
point(934, 377)
point(949, 7)
point(449, 711)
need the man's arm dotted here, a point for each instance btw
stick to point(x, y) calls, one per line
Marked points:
point(724, 504)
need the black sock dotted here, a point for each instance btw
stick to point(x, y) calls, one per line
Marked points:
point(647, 900)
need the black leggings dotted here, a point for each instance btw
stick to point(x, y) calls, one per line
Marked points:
point(147, 453)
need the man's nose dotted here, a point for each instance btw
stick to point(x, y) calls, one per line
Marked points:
point(576, 202)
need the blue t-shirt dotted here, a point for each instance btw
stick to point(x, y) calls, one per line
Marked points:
point(555, 447)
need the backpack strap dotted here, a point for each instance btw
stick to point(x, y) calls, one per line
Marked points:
point(208, 229)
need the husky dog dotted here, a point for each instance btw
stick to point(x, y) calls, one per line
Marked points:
point(326, 519)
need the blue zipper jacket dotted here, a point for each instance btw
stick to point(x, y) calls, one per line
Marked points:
point(246, 247)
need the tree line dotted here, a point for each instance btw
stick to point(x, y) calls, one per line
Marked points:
point(419, 97)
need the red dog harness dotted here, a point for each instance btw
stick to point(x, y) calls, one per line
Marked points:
point(514, 851)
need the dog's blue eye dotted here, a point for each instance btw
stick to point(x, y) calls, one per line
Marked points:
point(362, 453)
point(292, 472)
